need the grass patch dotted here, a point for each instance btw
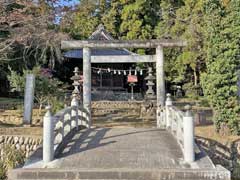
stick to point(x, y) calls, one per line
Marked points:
point(210, 133)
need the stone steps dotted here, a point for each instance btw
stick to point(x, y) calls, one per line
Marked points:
point(128, 174)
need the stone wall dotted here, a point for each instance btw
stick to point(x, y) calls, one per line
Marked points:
point(115, 104)
point(140, 109)
point(115, 96)
point(14, 105)
point(15, 117)
point(26, 144)
point(227, 155)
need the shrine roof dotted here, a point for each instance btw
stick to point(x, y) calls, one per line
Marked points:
point(78, 53)
point(99, 34)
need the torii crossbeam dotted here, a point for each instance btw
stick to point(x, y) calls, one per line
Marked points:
point(88, 59)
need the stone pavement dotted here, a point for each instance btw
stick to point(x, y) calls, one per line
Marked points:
point(139, 148)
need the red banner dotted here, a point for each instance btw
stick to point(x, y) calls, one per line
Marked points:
point(132, 79)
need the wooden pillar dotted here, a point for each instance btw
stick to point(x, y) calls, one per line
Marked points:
point(160, 76)
point(87, 86)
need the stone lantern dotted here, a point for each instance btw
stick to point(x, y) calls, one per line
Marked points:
point(150, 94)
point(76, 83)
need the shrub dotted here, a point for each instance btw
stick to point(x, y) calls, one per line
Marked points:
point(219, 82)
point(10, 158)
point(191, 90)
point(47, 88)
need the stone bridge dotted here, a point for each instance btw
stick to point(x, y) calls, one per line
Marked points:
point(71, 150)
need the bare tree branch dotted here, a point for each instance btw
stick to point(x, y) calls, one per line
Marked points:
point(29, 29)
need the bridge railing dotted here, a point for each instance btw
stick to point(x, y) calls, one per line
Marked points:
point(57, 127)
point(175, 117)
point(181, 125)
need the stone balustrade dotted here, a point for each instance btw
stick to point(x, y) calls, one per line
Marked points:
point(180, 124)
point(175, 119)
point(57, 127)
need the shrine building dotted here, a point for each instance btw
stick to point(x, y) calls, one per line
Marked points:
point(108, 76)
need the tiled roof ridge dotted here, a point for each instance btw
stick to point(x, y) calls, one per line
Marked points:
point(101, 31)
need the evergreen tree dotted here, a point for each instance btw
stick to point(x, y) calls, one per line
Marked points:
point(183, 20)
point(167, 18)
point(175, 71)
point(222, 47)
point(139, 19)
point(189, 26)
point(112, 18)
point(85, 19)
point(82, 22)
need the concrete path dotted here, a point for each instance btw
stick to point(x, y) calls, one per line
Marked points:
point(121, 148)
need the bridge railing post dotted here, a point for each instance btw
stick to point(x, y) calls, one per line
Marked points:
point(75, 95)
point(168, 103)
point(75, 105)
point(48, 136)
point(188, 135)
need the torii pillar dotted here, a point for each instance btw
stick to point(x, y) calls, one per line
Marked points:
point(87, 85)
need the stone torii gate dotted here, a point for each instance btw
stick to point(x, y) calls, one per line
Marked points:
point(88, 59)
